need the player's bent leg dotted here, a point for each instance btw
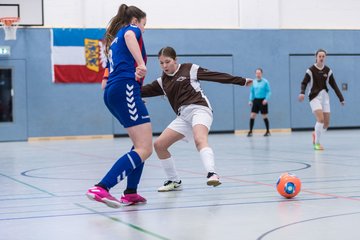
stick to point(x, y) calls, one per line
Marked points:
point(201, 133)
point(319, 115)
point(167, 138)
point(141, 136)
point(206, 153)
point(319, 126)
point(161, 145)
point(326, 120)
point(326, 117)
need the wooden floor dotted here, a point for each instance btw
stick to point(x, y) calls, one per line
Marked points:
point(43, 186)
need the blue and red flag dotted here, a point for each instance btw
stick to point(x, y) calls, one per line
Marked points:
point(78, 55)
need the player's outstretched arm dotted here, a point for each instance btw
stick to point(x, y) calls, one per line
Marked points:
point(211, 76)
point(152, 90)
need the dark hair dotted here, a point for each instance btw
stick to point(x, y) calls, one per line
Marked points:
point(319, 51)
point(123, 17)
point(260, 69)
point(167, 52)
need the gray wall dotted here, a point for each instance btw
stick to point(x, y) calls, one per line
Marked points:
point(78, 109)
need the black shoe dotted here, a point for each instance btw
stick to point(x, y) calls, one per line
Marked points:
point(267, 134)
point(249, 134)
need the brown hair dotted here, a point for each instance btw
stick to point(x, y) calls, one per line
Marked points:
point(319, 51)
point(167, 52)
point(123, 17)
point(260, 69)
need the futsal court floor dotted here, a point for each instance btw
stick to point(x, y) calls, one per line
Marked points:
point(43, 187)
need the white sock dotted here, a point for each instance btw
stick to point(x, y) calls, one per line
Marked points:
point(319, 128)
point(169, 168)
point(207, 157)
point(324, 130)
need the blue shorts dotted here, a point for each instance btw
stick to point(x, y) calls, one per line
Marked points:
point(123, 99)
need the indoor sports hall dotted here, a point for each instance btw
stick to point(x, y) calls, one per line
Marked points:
point(58, 138)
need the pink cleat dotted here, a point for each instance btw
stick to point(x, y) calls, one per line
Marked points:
point(101, 195)
point(131, 199)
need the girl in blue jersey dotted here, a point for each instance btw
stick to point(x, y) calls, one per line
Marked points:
point(127, 58)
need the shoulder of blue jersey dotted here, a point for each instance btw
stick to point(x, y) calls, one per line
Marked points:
point(135, 29)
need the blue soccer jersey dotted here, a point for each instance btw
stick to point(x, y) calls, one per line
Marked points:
point(122, 65)
point(260, 89)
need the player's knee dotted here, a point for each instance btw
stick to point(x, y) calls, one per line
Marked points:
point(159, 146)
point(145, 152)
point(200, 142)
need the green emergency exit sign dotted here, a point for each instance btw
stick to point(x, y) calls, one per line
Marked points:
point(5, 51)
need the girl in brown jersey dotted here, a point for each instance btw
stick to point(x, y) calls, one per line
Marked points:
point(180, 83)
point(318, 76)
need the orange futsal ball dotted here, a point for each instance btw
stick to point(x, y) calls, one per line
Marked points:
point(288, 185)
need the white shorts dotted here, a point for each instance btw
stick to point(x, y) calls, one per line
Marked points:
point(321, 102)
point(190, 116)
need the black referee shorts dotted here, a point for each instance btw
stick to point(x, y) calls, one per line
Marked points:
point(257, 106)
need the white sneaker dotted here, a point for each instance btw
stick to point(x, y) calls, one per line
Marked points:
point(170, 186)
point(213, 180)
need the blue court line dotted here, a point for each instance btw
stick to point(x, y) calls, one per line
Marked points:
point(41, 211)
point(142, 230)
point(311, 153)
point(29, 185)
point(27, 198)
point(174, 208)
point(112, 218)
point(26, 173)
point(304, 221)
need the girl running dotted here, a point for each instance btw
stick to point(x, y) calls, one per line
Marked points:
point(127, 59)
point(319, 75)
point(180, 83)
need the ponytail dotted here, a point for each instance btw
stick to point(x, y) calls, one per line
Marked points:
point(123, 17)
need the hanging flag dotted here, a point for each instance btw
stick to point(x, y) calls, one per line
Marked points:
point(78, 55)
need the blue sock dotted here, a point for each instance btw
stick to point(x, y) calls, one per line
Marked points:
point(121, 169)
point(133, 179)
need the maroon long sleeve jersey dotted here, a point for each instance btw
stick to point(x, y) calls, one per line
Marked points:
point(183, 87)
point(318, 79)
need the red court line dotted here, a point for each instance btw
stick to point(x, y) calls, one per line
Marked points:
point(264, 184)
point(224, 177)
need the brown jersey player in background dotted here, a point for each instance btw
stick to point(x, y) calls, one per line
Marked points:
point(318, 75)
point(180, 83)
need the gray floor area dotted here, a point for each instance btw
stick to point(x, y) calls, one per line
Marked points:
point(43, 186)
